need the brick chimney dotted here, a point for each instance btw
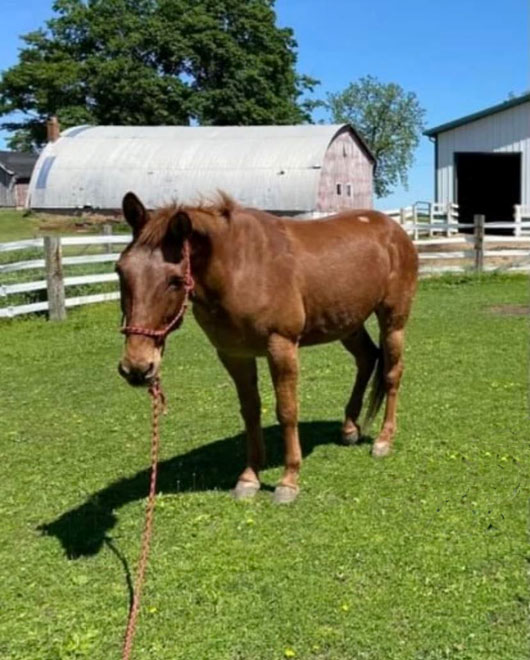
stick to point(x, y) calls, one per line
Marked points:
point(53, 129)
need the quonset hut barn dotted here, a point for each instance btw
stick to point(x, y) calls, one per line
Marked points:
point(482, 161)
point(305, 170)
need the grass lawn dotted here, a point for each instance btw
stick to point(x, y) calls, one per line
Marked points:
point(16, 225)
point(421, 556)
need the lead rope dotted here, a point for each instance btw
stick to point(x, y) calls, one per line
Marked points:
point(158, 402)
point(157, 406)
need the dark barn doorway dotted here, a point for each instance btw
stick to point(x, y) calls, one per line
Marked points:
point(488, 184)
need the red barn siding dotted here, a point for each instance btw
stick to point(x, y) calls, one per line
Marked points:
point(21, 193)
point(346, 163)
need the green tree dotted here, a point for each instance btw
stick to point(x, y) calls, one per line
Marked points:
point(389, 119)
point(154, 62)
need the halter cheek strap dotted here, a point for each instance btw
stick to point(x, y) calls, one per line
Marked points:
point(160, 335)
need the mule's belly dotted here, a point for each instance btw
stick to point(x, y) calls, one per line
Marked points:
point(326, 327)
point(247, 339)
point(340, 310)
point(314, 337)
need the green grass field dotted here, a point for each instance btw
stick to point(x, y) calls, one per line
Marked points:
point(420, 556)
point(16, 225)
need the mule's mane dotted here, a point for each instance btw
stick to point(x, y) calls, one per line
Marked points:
point(205, 213)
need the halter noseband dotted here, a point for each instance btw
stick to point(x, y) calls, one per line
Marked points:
point(160, 335)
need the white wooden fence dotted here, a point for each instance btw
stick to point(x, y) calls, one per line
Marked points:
point(53, 280)
point(432, 218)
point(427, 218)
point(521, 216)
point(448, 252)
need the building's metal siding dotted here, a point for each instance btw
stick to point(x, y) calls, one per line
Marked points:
point(270, 167)
point(506, 131)
point(345, 163)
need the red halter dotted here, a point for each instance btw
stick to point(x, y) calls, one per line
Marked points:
point(160, 335)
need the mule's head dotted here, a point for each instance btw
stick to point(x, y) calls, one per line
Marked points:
point(152, 271)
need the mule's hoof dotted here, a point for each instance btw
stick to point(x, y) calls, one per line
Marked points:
point(285, 494)
point(245, 490)
point(351, 438)
point(381, 449)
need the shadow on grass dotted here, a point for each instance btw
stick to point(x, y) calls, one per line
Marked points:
point(216, 466)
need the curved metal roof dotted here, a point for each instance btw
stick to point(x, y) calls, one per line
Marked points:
point(270, 167)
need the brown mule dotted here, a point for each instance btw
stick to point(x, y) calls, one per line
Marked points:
point(264, 286)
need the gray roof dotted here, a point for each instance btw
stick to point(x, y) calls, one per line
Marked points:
point(20, 164)
point(270, 167)
point(494, 109)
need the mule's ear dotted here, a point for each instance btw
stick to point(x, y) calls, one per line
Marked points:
point(181, 226)
point(134, 212)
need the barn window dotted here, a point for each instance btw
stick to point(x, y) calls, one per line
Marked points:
point(348, 190)
point(339, 188)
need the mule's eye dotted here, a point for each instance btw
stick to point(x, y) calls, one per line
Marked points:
point(175, 282)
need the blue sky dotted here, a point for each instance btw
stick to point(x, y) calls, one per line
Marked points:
point(459, 56)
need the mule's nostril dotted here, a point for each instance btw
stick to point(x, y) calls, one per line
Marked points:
point(150, 370)
point(137, 373)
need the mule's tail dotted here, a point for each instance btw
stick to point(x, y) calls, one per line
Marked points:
point(377, 392)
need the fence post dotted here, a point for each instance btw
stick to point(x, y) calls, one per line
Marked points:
point(449, 218)
point(54, 278)
point(518, 220)
point(478, 221)
point(431, 230)
point(107, 231)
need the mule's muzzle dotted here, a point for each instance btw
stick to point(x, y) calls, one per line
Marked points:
point(137, 374)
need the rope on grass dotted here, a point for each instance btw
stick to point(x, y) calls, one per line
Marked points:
point(157, 405)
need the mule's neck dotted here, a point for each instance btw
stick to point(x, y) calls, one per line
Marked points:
point(209, 233)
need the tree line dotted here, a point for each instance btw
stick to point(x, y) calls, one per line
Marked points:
point(189, 62)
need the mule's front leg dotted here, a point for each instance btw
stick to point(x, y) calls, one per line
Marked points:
point(245, 376)
point(283, 363)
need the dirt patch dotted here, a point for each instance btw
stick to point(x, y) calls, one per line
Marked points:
point(510, 310)
point(82, 223)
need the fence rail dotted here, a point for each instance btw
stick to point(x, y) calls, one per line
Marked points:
point(52, 264)
point(449, 253)
point(29, 243)
point(40, 285)
point(431, 218)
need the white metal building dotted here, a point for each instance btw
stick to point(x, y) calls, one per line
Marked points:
point(296, 170)
point(482, 161)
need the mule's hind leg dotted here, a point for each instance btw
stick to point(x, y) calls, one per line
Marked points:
point(392, 341)
point(365, 352)
point(245, 376)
